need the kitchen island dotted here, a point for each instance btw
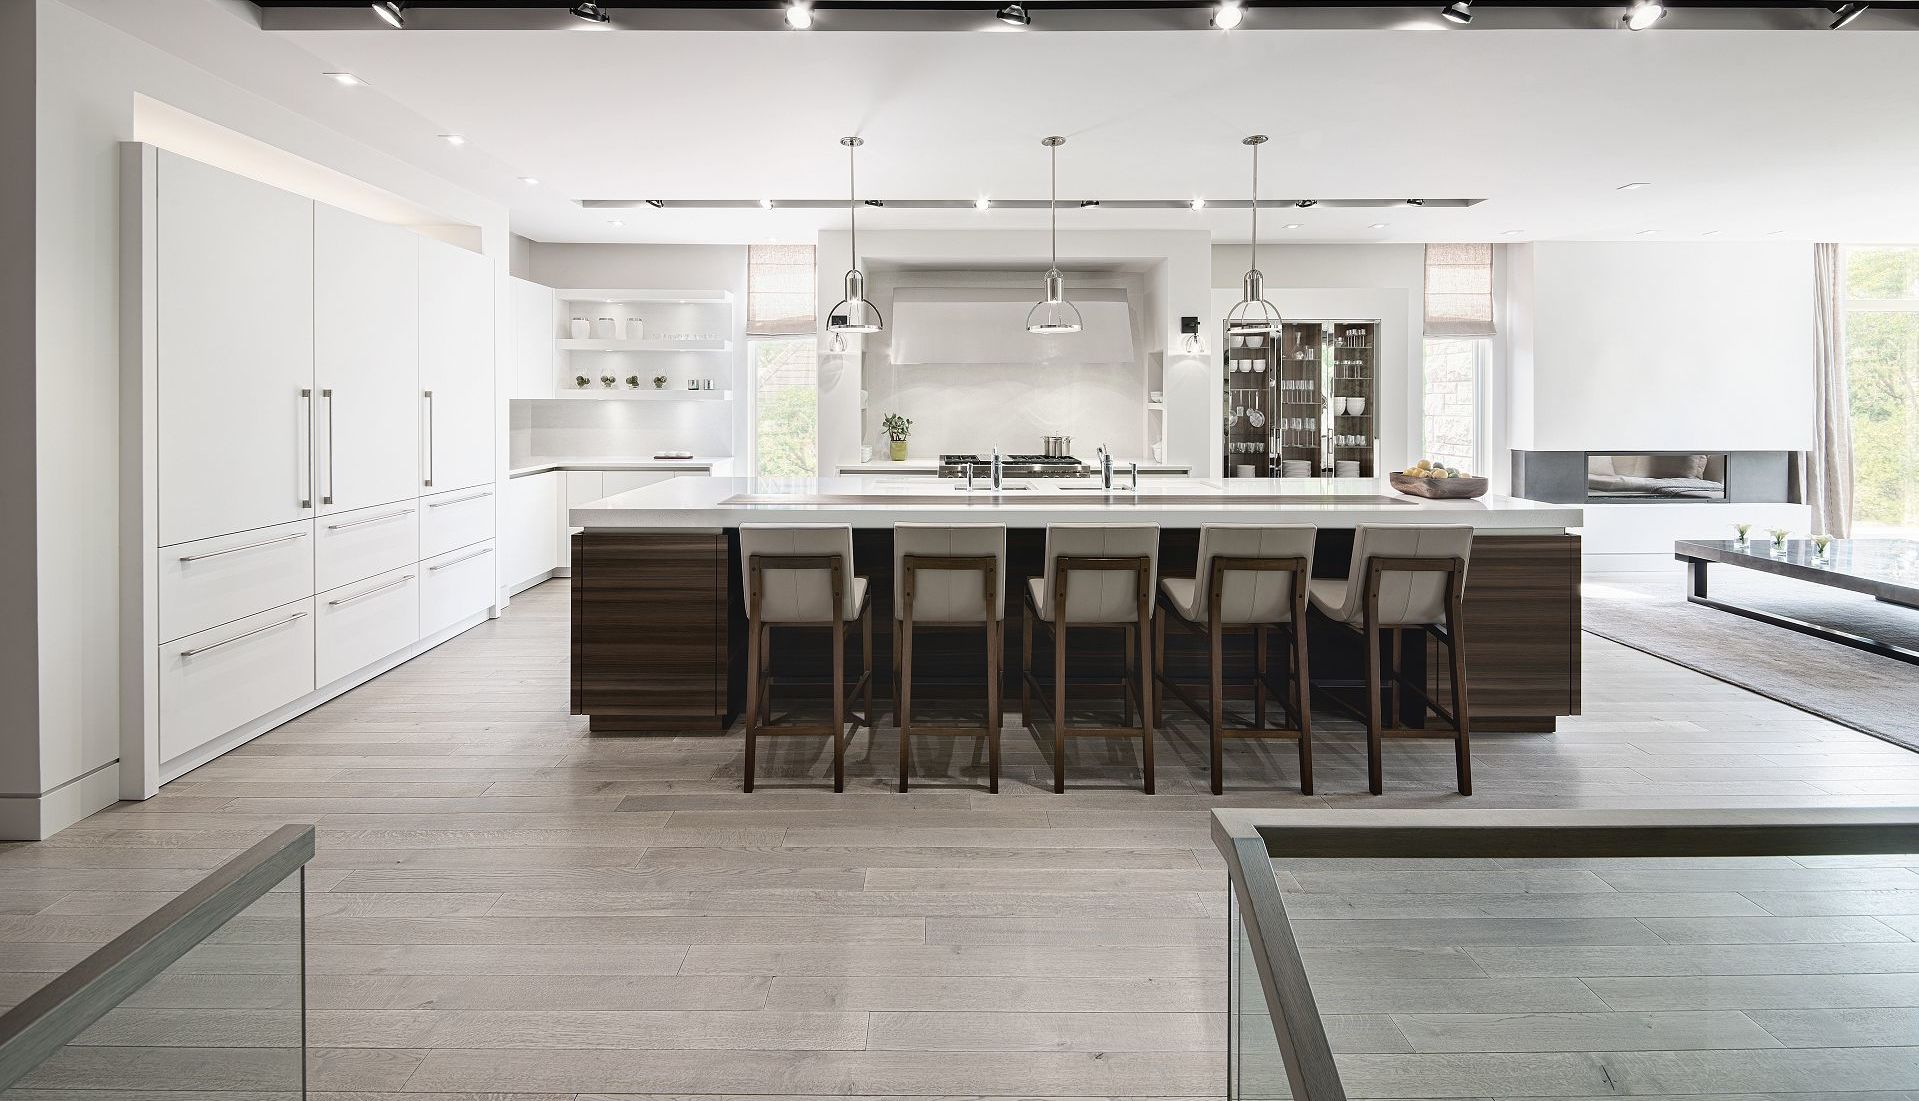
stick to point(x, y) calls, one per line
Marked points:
point(659, 623)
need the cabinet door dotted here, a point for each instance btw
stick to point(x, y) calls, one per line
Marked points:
point(536, 348)
point(530, 536)
point(456, 366)
point(366, 350)
point(234, 352)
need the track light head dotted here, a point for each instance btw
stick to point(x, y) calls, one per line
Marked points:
point(799, 15)
point(1458, 11)
point(392, 13)
point(1014, 15)
point(1846, 13)
point(1642, 14)
point(1228, 15)
point(1306, 204)
point(1415, 202)
point(590, 12)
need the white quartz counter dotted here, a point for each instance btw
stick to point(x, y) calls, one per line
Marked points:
point(717, 465)
point(932, 466)
point(1173, 502)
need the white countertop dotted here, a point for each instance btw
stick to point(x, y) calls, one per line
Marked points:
point(703, 464)
point(932, 466)
point(868, 502)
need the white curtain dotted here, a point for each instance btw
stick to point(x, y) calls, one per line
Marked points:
point(1829, 465)
point(1459, 291)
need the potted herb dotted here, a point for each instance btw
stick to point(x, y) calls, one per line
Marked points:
point(897, 428)
point(1742, 535)
point(633, 382)
point(608, 381)
point(659, 382)
point(582, 381)
point(1779, 537)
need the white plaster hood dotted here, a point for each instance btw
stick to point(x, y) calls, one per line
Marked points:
point(987, 325)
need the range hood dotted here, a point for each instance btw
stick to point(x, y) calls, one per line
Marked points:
point(987, 325)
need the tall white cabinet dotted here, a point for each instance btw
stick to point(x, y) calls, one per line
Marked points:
point(309, 458)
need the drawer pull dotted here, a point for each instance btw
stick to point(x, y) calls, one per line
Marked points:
point(362, 596)
point(245, 547)
point(462, 558)
point(370, 520)
point(243, 635)
point(459, 500)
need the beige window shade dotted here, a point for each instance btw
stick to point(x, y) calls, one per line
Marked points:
point(780, 298)
point(1459, 290)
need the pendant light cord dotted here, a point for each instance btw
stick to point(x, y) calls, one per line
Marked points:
point(853, 206)
point(1253, 255)
point(1052, 209)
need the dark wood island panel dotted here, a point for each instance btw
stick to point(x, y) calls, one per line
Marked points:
point(655, 624)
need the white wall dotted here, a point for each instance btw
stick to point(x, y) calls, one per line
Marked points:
point(87, 80)
point(1661, 346)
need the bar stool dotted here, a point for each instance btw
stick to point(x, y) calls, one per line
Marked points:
point(801, 575)
point(1406, 576)
point(1097, 575)
point(949, 575)
point(1251, 577)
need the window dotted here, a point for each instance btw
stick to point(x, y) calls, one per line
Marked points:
point(1450, 428)
point(780, 303)
point(1881, 298)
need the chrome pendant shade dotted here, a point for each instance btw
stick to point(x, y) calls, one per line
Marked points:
point(854, 314)
point(1053, 314)
point(1253, 315)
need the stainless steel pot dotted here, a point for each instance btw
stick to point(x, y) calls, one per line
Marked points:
point(1053, 446)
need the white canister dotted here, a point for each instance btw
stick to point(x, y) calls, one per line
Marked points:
point(635, 330)
point(604, 329)
point(578, 328)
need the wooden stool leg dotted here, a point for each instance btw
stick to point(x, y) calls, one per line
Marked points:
point(1026, 670)
point(839, 703)
point(1159, 671)
point(1146, 689)
point(1375, 776)
point(1216, 700)
point(1462, 711)
point(906, 696)
point(1260, 664)
point(1303, 700)
point(994, 631)
point(1130, 681)
point(1059, 703)
point(753, 659)
point(1390, 682)
point(866, 669)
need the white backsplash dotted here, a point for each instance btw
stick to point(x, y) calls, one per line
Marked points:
point(614, 428)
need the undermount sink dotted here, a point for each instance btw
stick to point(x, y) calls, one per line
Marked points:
point(984, 488)
point(1097, 488)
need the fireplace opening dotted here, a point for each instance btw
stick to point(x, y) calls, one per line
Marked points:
point(1655, 476)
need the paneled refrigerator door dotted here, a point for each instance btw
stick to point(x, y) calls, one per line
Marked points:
point(366, 351)
point(234, 352)
point(456, 367)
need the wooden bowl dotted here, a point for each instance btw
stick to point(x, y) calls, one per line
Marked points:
point(1441, 489)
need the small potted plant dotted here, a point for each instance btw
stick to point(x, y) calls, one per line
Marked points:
point(897, 428)
point(1822, 547)
point(1742, 535)
point(632, 382)
point(659, 382)
point(1779, 537)
point(582, 381)
point(608, 381)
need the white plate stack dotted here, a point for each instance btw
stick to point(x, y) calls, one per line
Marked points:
point(1346, 468)
point(1296, 468)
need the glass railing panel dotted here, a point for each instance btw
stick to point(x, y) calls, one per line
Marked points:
point(1255, 1069)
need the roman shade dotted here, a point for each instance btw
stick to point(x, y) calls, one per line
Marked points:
point(779, 290)
point(1459, 291)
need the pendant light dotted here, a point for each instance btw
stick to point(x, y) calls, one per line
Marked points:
point(1053, 314)
point(854, 314)
point(1253, 315)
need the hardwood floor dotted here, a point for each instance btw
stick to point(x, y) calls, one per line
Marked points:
point(505, 904)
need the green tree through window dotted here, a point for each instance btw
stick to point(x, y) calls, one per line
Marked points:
point(1882, 365)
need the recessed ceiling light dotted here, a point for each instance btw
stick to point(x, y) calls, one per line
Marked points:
point(530, 181)
point(1014, 15)
point(1647, 233)
point(982, 203)
point(615, 223)
point(1642, 14)
point(1378, 225)
point(1304, 204)
point(592, 13)
point(1846, 13)
point(1634, 186)
point(1197, 203)
point(453, 139)
point(766, 204)
point(1459, 11)
point(799, 15)
point(1291, 225)
point(392, 12)
point(1228, 15)
point(347, 80)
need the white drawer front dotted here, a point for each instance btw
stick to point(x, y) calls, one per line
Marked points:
point(219, 680)
point(214, 581)
point(356, 545)
point(455, 586)
point(356, 625)
point(461, 518)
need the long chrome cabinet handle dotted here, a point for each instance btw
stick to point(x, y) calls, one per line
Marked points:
point(362, 596)
point(428, 398)
point(305, 436)
point(243, 635)
point(370, 520)
point(462, 558)
point(244, 547)
point(459, 500)
point(327, 498)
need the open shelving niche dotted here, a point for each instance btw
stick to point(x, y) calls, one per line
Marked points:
point(662, 310)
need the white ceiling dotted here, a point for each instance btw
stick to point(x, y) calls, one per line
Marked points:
point(1809, 136)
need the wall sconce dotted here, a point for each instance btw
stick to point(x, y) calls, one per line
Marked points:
point(1191, 342)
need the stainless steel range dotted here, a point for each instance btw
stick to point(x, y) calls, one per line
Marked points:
point(1015, 466)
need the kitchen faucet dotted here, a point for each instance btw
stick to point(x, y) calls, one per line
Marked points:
point(1106, 468)
point(999, 470)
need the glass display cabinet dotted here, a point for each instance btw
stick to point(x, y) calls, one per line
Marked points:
point(1301, 403)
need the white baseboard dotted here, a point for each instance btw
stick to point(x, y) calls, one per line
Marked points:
point(519, 587)
point(38, 817)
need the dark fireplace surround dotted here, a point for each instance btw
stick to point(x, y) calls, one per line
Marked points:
point(1641, 476)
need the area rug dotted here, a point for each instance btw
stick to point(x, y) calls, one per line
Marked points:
point(1873, 694)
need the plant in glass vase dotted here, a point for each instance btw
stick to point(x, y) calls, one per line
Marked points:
point(608, 381)
point(1779, 537)
point(582, 381)
point(1822, 547)
point(659, 382)
point(897, 428)
point(1742, 535)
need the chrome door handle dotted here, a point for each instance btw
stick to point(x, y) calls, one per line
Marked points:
point(429, 436)
point(304, 433)
point(242, 635)
point(327, 498)
point(462, 558)
point(362, 596)
point(245, 547)
point(370, 520)
point(459, 500)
